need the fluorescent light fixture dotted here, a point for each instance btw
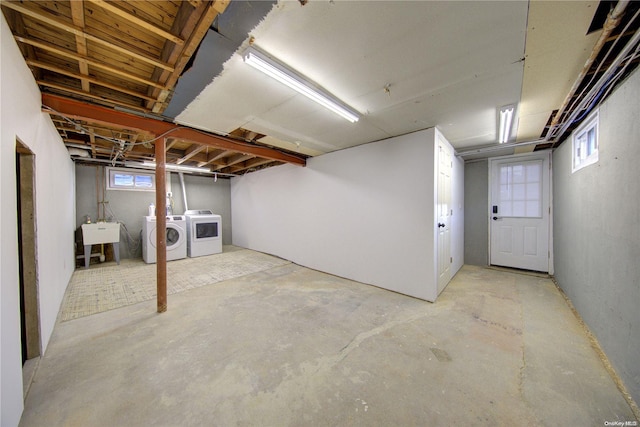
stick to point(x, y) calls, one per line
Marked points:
point(281, 73)
point(177, 168)
point(506, 121)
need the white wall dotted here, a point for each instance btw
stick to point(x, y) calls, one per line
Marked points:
point(21, 118)
point(366, 213)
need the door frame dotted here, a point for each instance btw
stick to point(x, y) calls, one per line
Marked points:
point(27, 252)
point(443, 238)
point(521, 156)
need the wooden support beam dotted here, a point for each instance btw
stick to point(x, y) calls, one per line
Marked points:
point(161, 225)
point(137, 21)
point(73, 29)
point(92, 140)
point(192, 21)
point(190, 152)
point(236, 158)
point(82, 58)
point(212, 157)
point(91, 96)
point(251, 163)
point(77, 15)
point(93, 113)
point(16, 22)
point(172, 142)
point(45, 66)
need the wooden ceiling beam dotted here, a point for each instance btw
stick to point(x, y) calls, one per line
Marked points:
point(214, 157)
point(58, 105)
point(192, 22)
point(171, 143)
point(93, 80)
point(83, 58)
point(236, 158)
point(15, 21)
point(90, 95)
point(137, 21)
point(251, 163)
point(75, 30)
point(77, 16)
point(92, 140)
point(190, 152)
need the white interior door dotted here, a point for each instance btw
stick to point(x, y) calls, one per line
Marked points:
point(443, 213)
point(519, 212)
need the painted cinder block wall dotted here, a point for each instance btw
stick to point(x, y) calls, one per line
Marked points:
point(597, 232)
point(129, 207)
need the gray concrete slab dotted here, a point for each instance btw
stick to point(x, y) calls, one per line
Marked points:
point(293, 346)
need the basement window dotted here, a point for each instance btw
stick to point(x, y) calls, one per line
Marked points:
point(585, 144)
point(129, 179)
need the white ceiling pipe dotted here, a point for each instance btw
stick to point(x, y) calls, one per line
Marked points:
point(184, 191)
point(600, 84)
point(610, 24)
point(78, 152)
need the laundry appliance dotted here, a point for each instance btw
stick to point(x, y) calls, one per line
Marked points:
point(176, 238)
point(204, 236)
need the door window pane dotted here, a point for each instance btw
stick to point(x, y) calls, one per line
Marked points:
point(520, 189)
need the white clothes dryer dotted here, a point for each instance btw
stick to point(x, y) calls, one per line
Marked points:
point(176, 238)
point(204, 233)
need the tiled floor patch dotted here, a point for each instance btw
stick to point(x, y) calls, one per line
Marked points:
point(104, 288)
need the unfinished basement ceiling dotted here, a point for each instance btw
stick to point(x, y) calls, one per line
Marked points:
point(403, 65)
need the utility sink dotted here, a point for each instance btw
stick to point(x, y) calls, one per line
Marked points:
point(99, 233)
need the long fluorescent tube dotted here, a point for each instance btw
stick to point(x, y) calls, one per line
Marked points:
point(506, 120)
point(178, 168)
point(284, 75)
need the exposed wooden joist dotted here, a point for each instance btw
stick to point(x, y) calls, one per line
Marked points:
point(213, 157)
point(82, 58)
point(137, 21)
point(17, 23)
point(73, 29)
point(172, 142)
point(93, 80)
point(90, 95)
point(191, 151)
point(186, 23)
point(77, 15)
point(251, 163)
point(93, 113)
point(236, 158)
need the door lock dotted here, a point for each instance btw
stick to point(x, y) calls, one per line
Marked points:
point(440, 224)
point(495, 218)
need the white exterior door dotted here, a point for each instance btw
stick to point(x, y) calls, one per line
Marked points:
point(519, 211)
point(443, 213)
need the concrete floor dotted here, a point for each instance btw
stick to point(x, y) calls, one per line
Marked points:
point(291, 346)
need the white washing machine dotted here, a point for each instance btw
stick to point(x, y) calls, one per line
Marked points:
point(176, 238)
